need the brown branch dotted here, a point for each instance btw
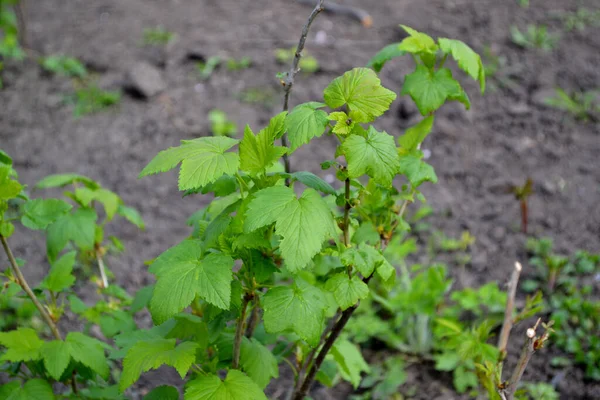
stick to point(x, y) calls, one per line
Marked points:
point(360, 15)
point(510, 305)
point(254, 318)
point(23, 283)
point(239, 332)
point(289, 81)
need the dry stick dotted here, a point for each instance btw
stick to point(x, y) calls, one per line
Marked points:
point(510, 305)
point(20, 14)
point(289, 81)
point(102, 269)
point(239, 333)
point(23, 283)
point(361, 15)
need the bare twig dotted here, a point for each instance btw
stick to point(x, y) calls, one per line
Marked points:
point(102, 269)
point(510, 305)
point(289, 80)
point(239, 332)
point(23, 283)
point(342, 9)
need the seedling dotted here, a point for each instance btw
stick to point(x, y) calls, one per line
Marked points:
point(522, 194)
point(236, 65)
point(158, 36)
point(535, 37)
point(584, 106)
point(10, 48)
point(63, 65)
point(220, 124)
point(264, 96)
point(89, 98)
point(523, 3)
point(205, 69)
point(308, 63)
point(579, 20)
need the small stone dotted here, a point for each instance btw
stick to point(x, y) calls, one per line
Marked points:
point(145, 80)
point(519, 109)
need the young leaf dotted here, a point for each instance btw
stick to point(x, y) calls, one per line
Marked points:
point(350, 361)
point(344, 123)
point(235, 386)
point(203, 161)
point(39, 213)
point(183, 273)
point(163, 392)
point(131, 215)
point(33, 389)
point(258, 152)
point(416, 170)
point(365, 258)
point(258, 362)
point(79, 226)
point(299, 308)
point(89, 352)
point(347, 291)
point(415, 135)
point(22, 344)
point(305, 122)
point(56, 355)
point(60, 276)
point(384, 55)
point(151, 354)
point(141, 299)
point(361, 90)
point(109, 199)
point(9, 188)
point(429, 90)
point(375, 155)
point(61, 180)
point(303, 223)
point(313, 181)
point(467, 59)
point(417, 42)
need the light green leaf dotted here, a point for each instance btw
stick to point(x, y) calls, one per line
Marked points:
point(313, 181)
point(258, 152)
point(163, 392)
point(33, 389)
point(89, 352)
point(305, 122)
point(303, 223)
point(8, 188)
point(203, 160)
point(6, 229)
point(60, 276)
point(467, 59)
point(429, 90)
point(109, 200)
point(417, 42)
point(22, 344)
point(141, 299)
point(384, 55)
point(350, 361)
point(416, 170)
point(361, 90)
point(131, 215)
point(375, 155)
point(235, 386)
point(347, 291)
point(79, 226)
point(39, 213)
point(151, 354)
point(415, 135)
point(183, 273)
point(258, 362)
point(56, 355)
point(299, 308)
point(60, 180)
point(344, 123)
point(365, 258)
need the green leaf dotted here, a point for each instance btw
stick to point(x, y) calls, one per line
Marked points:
point(60, 180)
point(141, 299)
point(375, 155)
point(305, 122)
point(203, 160)
point(350, 361)
point(56, 355)
point(365, 258)
point(384, 55)
point(79, 226)
point(417, 42)
point(60, 276)
point(151, 354)
point(235, 386)
point(299, 308)
point(361, 90)
point(164, 392)
point(258, 362)
point(429, 90)
point(8, 188)
point(258, 152)
point(183, 273)
point(190, 327)
point(131, 215)
point(467, 59)
point(303, 223)
point(347, 291)
point(89, 352)
point(313, 181)
point(344, 123)
point(416, 170)
point(5, 158)
point(109, 200)
point(6, 229)
point(126, 341)
point(22, 344)
point(415, 135)
point(39, 213)
point(33, 389)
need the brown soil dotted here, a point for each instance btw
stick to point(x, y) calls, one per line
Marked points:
point(506, 137)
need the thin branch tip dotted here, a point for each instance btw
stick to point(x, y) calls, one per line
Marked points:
point(518, 266)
